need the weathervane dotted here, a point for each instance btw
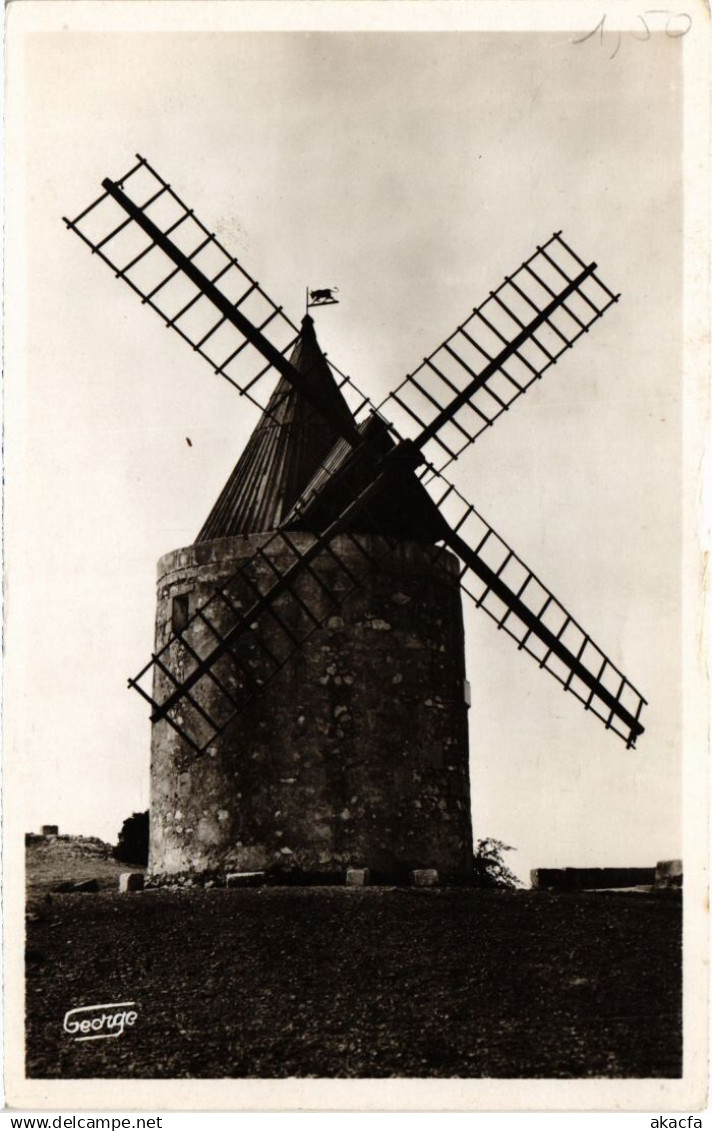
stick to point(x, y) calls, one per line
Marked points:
point(323, 297)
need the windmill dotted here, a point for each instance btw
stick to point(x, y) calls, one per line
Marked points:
point(307, 691)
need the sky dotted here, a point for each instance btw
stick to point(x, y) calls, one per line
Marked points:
point(413, 170)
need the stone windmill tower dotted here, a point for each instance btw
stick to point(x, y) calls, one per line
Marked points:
point(357, 754)
point(307, 691)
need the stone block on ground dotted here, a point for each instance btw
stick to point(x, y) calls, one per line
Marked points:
point(244, 879)
point(668, 874)
point(357, 877)
point(49, 830)
point(131, 881)
point(424, 877)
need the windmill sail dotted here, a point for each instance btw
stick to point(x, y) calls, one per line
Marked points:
point(512, 595)
point(496, 355)
point(155, 244)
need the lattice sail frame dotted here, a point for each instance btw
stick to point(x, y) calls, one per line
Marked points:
point(456, 394)
point(136, 258)
point(226, 667)
point(499, 351)
point(518, 601)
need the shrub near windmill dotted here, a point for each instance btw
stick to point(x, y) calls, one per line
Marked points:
point(308, 691)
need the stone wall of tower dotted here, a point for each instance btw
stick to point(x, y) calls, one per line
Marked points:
point(354, 755)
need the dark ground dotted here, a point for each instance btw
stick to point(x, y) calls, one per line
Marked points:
point(349, 982)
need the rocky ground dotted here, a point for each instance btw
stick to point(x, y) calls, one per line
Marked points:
point(349, 982)
point(53, 860)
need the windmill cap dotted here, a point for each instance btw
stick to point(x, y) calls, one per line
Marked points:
point(286, 448)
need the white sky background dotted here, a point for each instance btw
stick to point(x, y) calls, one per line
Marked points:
point(413, 171)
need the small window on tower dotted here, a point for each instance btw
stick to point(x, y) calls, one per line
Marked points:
point(180, 612)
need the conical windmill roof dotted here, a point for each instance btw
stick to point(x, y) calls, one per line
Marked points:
point(284, 452)
point(402, 510)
